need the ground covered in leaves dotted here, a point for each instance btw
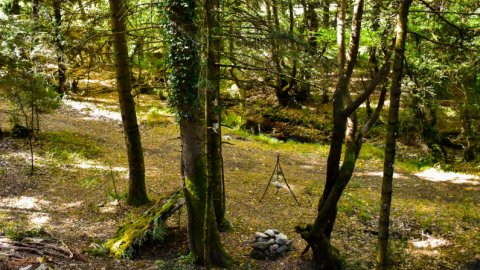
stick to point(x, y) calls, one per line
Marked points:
point(75, 195)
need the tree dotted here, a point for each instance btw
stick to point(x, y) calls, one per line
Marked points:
point(213, 110)
point(62, 77)
point(204, 237)
point(137, 194)
point(392, 132)
point(345, 131)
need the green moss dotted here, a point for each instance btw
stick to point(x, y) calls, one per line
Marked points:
point(149, 226)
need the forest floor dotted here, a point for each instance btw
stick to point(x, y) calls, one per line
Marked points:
point(80, 170)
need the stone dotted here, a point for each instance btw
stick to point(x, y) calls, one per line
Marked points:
point(260, 239)
point(281, 249)
point(270, 233)
point(276, 231)
point(28, 267)
point(42, 266)
point(261, 245)
point(281, 239)
point(260, 235)
point(273, 247)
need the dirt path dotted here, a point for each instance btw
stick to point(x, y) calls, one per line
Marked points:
point(68, 196)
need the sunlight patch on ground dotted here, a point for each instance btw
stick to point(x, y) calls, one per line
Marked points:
point(430, 242)
point(39, 219)
point(24, 155)
point(72, 204)
point(105, 83)
point(380, 174)
point(23, 202)
point(92, 111)
point(436, 175)
point(88, 165)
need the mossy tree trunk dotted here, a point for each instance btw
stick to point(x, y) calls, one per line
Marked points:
point(204, 237)
point(345, 131)
point(137, 194)
point(392, 133)
point(213, 110)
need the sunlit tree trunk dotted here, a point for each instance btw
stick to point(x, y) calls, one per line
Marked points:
point(203, 234)
point(62, 77)
point(392, 133)
point(137, 194)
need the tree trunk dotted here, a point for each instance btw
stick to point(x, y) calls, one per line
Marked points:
point(35, 7)
point(62, 78)
point(318, 236)
point(204, 238)
point(392, 131)
point(137, 194)
point(213, 110)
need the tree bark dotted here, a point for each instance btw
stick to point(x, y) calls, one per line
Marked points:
point(137, 194)
point(344, 131)
point(62, 78)
point(213, 110)
point(204, 238)
point(392, 133)
point(35, 7)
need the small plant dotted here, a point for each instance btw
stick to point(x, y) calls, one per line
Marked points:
point(231, 120)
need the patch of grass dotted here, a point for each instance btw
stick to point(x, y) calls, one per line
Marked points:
point(414, 164)
point(67, 145)
point(370, 151)
point(352, 205)
point(158, 116)
point(89, 181)
point(277, 144)
point(19, 234)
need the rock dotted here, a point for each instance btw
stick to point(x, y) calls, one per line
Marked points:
point(42, 266)
point(273, 247)
point(281, 249)
point(281, 239)
point(270, 233)
point(28, 267)
point(260, 239)
point(261, 245)
point(260, 235)
point(276, 231)
point(257, 255)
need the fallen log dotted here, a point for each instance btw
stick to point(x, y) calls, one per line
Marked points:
point(149, 226)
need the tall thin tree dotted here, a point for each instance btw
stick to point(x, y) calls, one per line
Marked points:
point(213, 110)
point(62, 77)
point(137, 194)
point(392, 133)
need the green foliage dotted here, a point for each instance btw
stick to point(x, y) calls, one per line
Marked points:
point(231, 120)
